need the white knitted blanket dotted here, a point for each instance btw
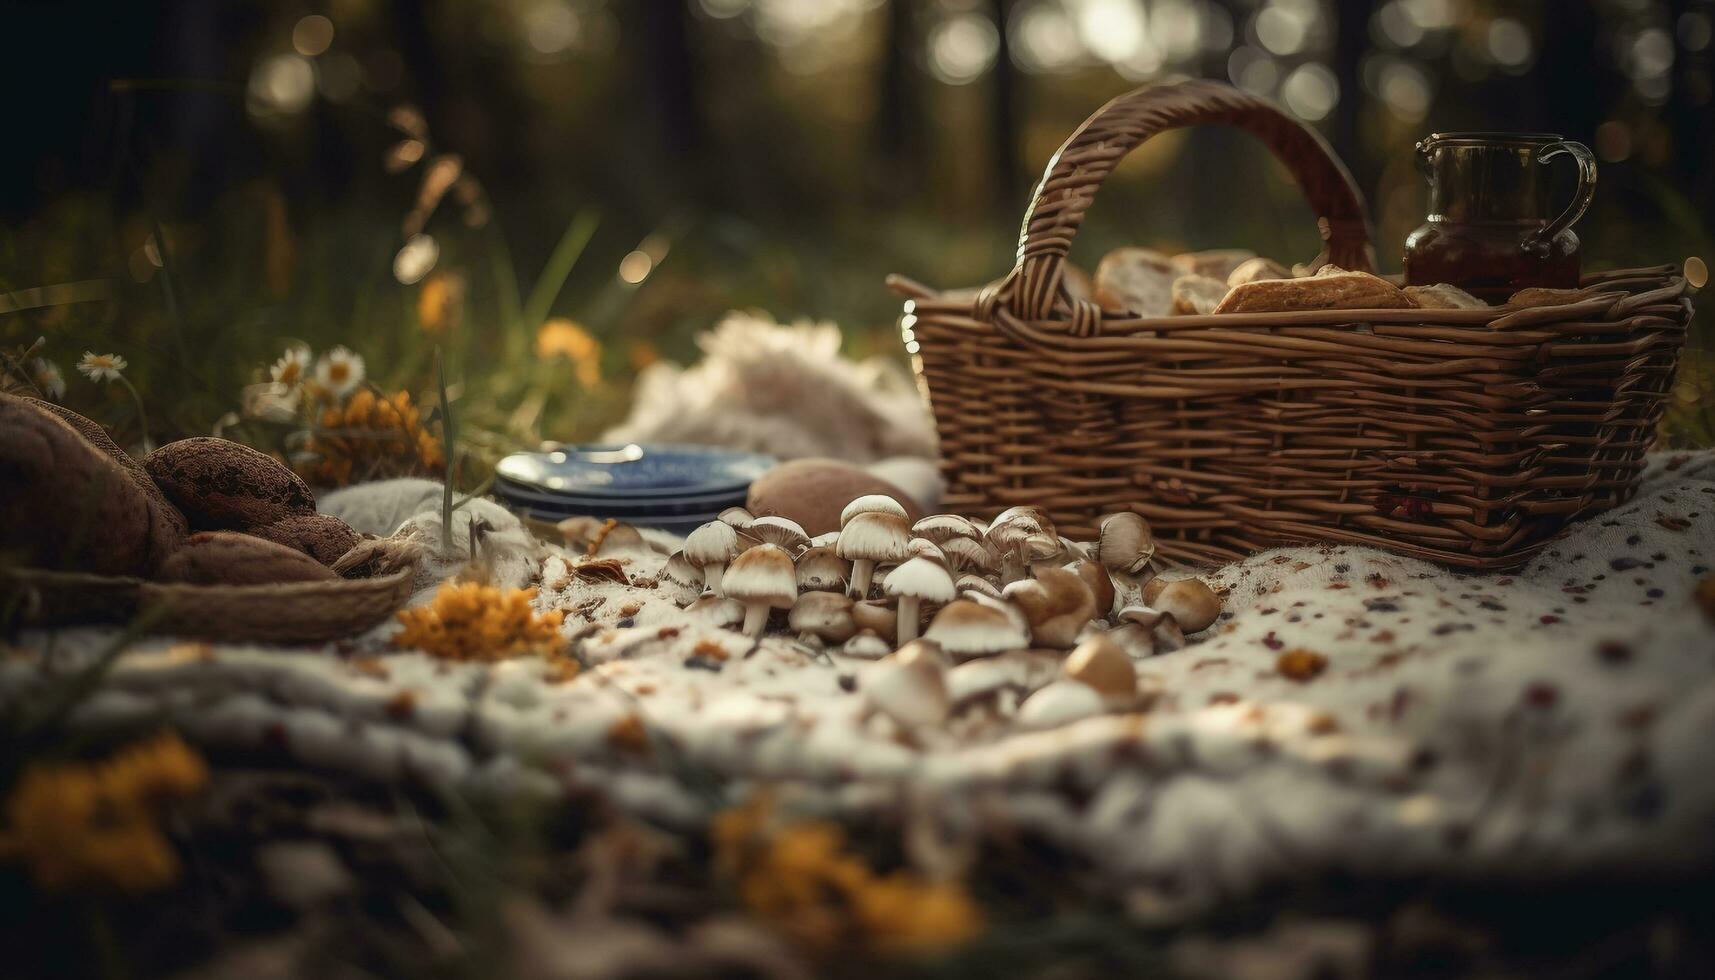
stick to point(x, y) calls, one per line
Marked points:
point(1554, 722)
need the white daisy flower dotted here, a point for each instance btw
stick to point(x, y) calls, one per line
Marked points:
point(46, 374)
point(340, 371)
point(101, 367)
point(291, 368)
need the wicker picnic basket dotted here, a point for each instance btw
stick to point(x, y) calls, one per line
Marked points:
point(1467, 437)
point(291, 612)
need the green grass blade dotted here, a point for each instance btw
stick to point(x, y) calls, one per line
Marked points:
point(553, 277)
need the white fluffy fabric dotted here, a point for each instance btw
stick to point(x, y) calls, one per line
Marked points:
point(1545, 724)
point(781, 390)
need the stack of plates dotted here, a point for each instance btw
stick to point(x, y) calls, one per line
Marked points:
point(674, 488)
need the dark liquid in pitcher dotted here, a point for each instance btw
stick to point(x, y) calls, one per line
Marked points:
point(1486, 261)
point(1490, 228)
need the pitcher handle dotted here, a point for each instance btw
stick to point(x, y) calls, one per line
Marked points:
point(1580, 153)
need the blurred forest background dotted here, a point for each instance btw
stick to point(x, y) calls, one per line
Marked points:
point(195, 184)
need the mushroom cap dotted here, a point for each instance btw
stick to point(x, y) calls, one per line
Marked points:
point(968, 554)
point(921, 578)
point(1100, 584)
point(824, 614)
point(1100, 663)
point(1124, 542)
point(577, 532)
point(1165, 633)
point(912, 693)
point(782, 531)
point(977, 584)
point(874, 536)
point(872, 503)
point(924, 548)
point(825, 540)
point(965, 627)
point(875, 616)
point(866, 645)
point(940, 527)
point(736, 517)
point(925, 650)
point(762, 574)
point(1152, 589)
point(820, 570)
point(1191, 603)
point(1056, 603)
point(618, 538)
point(1011, 528)
point(1060, 703)
point(723, 612)
point(681, 572)
point(714, 542)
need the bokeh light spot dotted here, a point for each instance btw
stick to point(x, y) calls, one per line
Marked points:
point(312, 35)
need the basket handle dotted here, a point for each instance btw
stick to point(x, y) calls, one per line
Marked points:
point(1078, 168)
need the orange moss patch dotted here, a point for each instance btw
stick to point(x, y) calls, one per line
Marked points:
point(472, 621)
point(710, 649)
point(370, 437)
point(628, 733)
point(77, 826)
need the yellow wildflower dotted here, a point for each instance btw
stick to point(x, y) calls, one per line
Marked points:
point(371, 437)
point(801, 878)
point(472, 621)
point(95, 825)
point(560, 337)
point(440, 302)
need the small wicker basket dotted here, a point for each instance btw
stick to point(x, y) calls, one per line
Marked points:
point(1467, 437)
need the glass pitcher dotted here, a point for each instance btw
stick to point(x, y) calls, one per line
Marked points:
point(1490, 230)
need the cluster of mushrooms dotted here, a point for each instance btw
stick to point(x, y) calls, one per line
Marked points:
point(867, 590)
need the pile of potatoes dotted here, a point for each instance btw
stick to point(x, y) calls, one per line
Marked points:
point(199, 511)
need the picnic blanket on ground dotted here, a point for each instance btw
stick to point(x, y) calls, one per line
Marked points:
point(1352, 711)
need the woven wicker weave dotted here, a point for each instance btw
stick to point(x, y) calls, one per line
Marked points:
point(1466, 437)
point(293, 612)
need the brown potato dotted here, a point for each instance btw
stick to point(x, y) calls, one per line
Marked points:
point(233, 558)
point(65, 504)
point(167, 527)
point(323, 537)
point(223, 485)
point(1332, 288)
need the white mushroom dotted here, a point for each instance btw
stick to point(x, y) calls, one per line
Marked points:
point(871, 537)
point(723, 612)
point(820, 570)
point(927, 650)
point(942, 527)
point(1060, 703)
point(966, 628)
point(709, 548)
point(735, 517)
point(1124, 543)
point(827, 616)
point(924, 548)
point(1056, 603)
point(968, 555)
point(872, 503)
point(912, 693)
point(977, 584)
point(1191, 603)
point(684, 582)
point(785, 532)
point(913, 582)
point(1100, 663)
point(865, 645)
point(762, 578)
point(1164, 632)
point(1022, 536)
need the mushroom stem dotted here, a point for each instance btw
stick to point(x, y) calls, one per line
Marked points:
point(908, 616)
point(862, 569)
point(755, 618)
point(712, 577)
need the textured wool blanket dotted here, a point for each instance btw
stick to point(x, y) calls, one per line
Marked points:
point(1352, 711)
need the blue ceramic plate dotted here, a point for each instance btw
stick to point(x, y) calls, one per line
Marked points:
point(622, 507)
point(623, 471)
point(680, 524)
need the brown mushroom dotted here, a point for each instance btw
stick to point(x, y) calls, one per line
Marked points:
point(966, 628)
point(1100, 663)
point(1191, 603)
point(826, 616)
point(761, 578)
point(871, 537)
point(710, 547)
point(1056, 603)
